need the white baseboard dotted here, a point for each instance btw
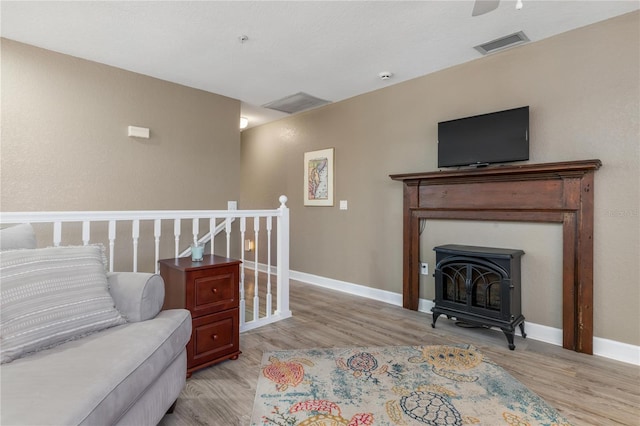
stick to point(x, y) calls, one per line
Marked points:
point(249, 266)
point(345, 287)
point(612, 349)
point(616, 350)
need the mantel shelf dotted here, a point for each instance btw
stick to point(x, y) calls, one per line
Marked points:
point(502, 173)
point(550, 192)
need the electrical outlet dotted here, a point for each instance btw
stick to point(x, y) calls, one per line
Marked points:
point(424, 268)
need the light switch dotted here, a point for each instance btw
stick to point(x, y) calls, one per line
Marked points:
point(343, 204)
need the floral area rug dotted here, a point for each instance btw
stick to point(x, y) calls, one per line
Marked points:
point(398, 385)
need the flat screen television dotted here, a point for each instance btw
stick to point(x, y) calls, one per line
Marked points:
point(497, 137)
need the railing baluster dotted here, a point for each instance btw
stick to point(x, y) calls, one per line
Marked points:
point(256, 295)
point(268, 301)
point(86, 232)
point(135, 234)
point(212, 233)
point(176, 233)
point(243, 227)
point(157, 230)
point(227, 229)
point(112, 242)
point(195, 228)
point(57, 233)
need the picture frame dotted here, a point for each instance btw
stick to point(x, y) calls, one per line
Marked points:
point(318, 177)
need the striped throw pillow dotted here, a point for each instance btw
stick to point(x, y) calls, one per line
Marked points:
point(51, 295)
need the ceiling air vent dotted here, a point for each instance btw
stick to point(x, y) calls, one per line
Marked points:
point(502, 43)
point(295, 103)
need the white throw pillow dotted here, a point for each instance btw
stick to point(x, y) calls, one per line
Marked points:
point(17, 237)
point(51, 295)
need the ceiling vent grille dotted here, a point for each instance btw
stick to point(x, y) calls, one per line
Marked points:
point(502, 43)
point(295, 103)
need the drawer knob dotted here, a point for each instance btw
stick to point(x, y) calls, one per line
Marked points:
point(214, 290)
point(214, 336)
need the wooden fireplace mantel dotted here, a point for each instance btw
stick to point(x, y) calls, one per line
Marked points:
point(551, 192)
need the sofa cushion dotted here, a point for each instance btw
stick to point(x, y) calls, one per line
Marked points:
point(17, 237)
point(138, 296)
point(93, 380)
point(52, 295)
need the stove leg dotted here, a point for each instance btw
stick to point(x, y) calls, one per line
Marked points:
point(524, 335)
point(509, 335)
point(434, 319)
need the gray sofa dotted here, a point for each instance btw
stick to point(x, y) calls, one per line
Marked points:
point(128, 374)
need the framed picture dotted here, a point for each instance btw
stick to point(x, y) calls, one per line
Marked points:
point(318, 178)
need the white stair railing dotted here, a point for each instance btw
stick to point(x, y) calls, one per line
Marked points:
point(62, 225)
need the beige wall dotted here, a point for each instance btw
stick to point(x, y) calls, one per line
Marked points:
point(583, 89)
point(65, 144)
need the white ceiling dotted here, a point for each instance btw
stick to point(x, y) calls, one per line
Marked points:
point(332, 50)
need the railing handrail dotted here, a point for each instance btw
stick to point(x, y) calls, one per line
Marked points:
point(97, 216)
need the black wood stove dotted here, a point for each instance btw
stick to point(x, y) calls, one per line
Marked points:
point(479, 286)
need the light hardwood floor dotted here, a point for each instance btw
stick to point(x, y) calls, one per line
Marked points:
point(587, 390)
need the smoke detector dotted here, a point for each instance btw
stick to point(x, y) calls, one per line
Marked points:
point(385, 75)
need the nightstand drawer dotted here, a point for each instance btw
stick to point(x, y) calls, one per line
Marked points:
point(213, 293)
point(214, 336)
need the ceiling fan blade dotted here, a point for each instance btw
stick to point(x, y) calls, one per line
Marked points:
point(484, 6)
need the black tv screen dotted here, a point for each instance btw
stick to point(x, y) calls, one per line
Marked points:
point(497, 137)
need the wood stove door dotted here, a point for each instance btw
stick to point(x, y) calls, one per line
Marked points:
point(451, 287)
point(474, 286)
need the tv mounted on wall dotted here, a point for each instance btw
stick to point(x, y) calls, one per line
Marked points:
point(497, 137)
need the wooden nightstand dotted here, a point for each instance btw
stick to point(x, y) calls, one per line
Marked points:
point(210, 291)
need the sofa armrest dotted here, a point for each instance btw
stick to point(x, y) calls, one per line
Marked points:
point(138, 296)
